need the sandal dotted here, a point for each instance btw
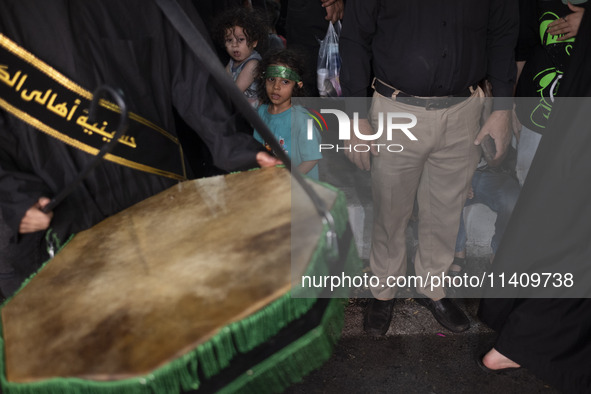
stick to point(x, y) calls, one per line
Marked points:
point(458, 262)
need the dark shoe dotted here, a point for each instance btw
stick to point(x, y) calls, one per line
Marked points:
point(501, 371)
point(446, 313)
point(378, 315)
point(459, 262)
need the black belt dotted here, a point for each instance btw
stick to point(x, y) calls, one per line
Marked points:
point(429, 103)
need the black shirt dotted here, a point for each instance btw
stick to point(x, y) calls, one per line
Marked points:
point(429, 47)
point(546, 60)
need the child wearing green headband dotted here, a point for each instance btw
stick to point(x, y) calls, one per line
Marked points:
point(279, 77)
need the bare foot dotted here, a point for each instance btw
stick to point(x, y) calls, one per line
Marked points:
point(495, 360)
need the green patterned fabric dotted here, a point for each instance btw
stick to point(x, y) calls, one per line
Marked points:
point(282, 72)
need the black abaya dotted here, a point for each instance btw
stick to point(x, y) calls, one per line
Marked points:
point(550, 231)
point(128, 45)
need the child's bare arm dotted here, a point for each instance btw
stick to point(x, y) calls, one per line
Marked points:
point(246, 76)
point(306, 166)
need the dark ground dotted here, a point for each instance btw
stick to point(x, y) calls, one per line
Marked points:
point(416, 355)
point(428, 360)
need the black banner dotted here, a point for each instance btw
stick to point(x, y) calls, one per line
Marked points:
point(47, 100)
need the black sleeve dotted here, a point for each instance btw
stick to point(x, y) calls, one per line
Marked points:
point(20, 188)
point(528, 35)
point(503, 29)
point(359, 26)
point(207, 109)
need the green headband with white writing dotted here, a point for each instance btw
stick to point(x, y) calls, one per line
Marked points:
point(282, 72)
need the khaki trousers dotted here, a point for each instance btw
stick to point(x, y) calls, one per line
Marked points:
point(437, 169)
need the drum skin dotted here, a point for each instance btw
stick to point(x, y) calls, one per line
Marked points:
point(151, 283)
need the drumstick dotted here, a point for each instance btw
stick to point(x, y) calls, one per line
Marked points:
point(108, 147)
point(201, 48)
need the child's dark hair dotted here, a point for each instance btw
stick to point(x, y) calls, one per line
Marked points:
point(250, 20)
point(284, 57)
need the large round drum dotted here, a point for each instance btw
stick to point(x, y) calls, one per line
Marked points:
point(187, 290)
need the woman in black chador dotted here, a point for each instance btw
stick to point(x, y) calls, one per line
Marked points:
point(550, 231)
point(78, 46)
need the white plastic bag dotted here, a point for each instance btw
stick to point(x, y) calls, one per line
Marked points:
point(329, 63)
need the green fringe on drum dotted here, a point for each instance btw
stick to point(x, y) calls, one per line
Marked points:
point(273, 374)
point(296, 360)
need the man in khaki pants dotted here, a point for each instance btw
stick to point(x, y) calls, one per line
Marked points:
point(427, 58)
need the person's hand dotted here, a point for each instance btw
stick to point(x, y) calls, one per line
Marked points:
point(335, 10)
point(326, 3)
point(266, 160)
point(516, 125)
point(497, 126)
point(568, 26)
point(35, 219)
point(306, 166)
point(470, 193)
point(360, 159)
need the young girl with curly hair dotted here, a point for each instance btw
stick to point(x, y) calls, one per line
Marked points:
point(240, 31)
